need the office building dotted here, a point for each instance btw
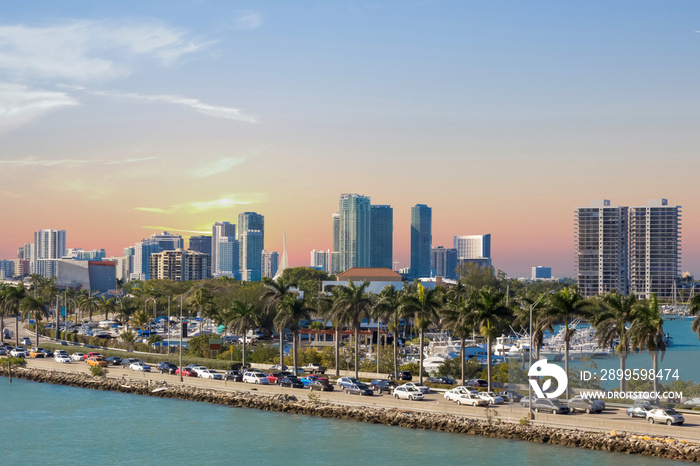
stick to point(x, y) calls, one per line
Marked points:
point(228, 256)
point(48, 246)
point(471, 247)
point(92, 276)
point(220, 230)
point(270, 262)
point(541, 273)
point(250, 221)
point(319, 260)
point(381, 250)
point(251, 245)
point(421, 240)
point(142, 254)
point(335, 252)
point(80, 254)
point(444, 262)
point(654, 248)
point(354, 231)
point(201, 243)
point(168, 241)
point(7, 269)
point(602, 248)
point(21, 268)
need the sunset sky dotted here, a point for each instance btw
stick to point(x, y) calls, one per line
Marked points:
point(122, 119)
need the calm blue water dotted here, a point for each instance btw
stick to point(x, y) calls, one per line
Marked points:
point(51, 424)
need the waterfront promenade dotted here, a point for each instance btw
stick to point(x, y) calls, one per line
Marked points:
point(613, 418)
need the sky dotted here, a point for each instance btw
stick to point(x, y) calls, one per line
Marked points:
point(122, 119)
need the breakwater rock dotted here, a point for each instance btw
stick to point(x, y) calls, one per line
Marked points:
point(624, 443)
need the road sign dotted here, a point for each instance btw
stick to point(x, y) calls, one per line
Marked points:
point(63, 311)
point(215, 344)
point(31, 322)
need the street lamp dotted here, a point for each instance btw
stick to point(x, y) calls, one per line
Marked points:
point(182, 296)
point(532, 306)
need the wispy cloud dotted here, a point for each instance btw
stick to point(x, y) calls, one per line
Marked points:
point(32, 161)
point(155, 210)
point(83, 50)
point(247, 20)
point(176, 230)
point(216, 111)
point(216, 167)
point(20, 104)
point(224, 202)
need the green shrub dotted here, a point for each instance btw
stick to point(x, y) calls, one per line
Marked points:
point(98, 371)
point(4, 362)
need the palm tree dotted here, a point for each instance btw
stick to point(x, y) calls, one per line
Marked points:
point(488, 314)
point(540, 320)
point(611, 325)
point(276, 291)
point(204, 304)
point(106, 306)
point(127, 308)
point(424, 304)
point(325, 307)
point(140, 318)
point(244, 317)
point(36, 307)
point(457, 316)
point(13, 301)
point(565, 305)
point(353, 305)
point(290, 312)
point(647, 331)
point(387, 309)
point(695, 310)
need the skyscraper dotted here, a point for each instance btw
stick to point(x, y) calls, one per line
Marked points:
point(201, 243)
point(354, 231)
point(251, 245)
point(228, 255)
point(270, 262)
point(250, 221)
point(473, 248)
point(654, 249)
point(219, 230)
point(49, 245)
point(319, 259)
point(602, 254)
point(168, 241)
point(444, 262)
point(335, 252)
point(142, 255)
point(381, 242)
point(421, 240)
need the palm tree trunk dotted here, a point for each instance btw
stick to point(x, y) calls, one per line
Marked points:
point(462, 358)
point(396, 356)
point(243, 357)
point(357, 351)
point(36, 327)
point(420, 357)
point(337, 351)
point(488, 361)
point(281, 350)
point(655, 366)
point(295, 336)
point(17, 329)
point(623, 356)
point(566, 360)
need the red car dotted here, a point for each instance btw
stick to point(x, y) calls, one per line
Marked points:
point(186, 372)
point(90, 354)
point(275, 377)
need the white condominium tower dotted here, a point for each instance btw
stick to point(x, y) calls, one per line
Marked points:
point(473, 248)
point(48, 246)
point(219, 230)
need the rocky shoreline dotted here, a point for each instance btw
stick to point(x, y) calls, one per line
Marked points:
point(623, 443)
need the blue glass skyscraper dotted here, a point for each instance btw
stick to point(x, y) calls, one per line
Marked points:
point(421, 240)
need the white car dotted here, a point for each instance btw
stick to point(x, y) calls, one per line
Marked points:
point(453, 394)
point(77, 356)
point(667, 416)
point(61, 357)
point(209, 374)
point(471, 400)
point(491, 397)
point(421, 388)
point(139, 366)
point(18, 353)
point(403, 392)
point(256, 377)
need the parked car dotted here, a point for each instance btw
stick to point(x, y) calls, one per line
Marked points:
point(36, 353)
point(452, 395)
point(667, 416)
point(383, 385)
point(277, 368)
point(314, 368)
point(442, 380)
point(90, 355)
point(639, 410)
point(3, 351)
point(404, 392)
point(114, 361)
point(291, 381)
point(585, 405)
point(321, 385)
point(477, 383)
point(579, 403)
point(96, 361)
point(140, 366)
point(345, 382)
point(18, 352)
point(525, 401)
point(234, 375)
point(256, 377)
point(126, 363)
point(274, 377)
point(491, 397)
point(421, 388)
point(470, 399)
point(61, 357)
point(311, 378)
point(511, 396)
point(551, 405)
point(401, 375)
point(186, 372)
point(359, 389)
point(25, 341)
point(77, 356)
point(210, 374)
point(166, 367)
point(48, 353)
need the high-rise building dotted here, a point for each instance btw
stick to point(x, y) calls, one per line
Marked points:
point(654, 248)
point(602, 254)
point(49, 245)
point(168, 241)
point(319, 259)
point(179, 265)
point(220, 230)
point(248, 221)
point(7, 269)
point(142, 254)
point(251, 245)
point(381, 251)
point(21, 268)
point(354, 231)
point(83, 255)
point(444, 262)
point(541, 273)
point(228, 266)
point(473, 247)
point(270, 262)
point(421, 240)
point(201, 243)
point(335, 252)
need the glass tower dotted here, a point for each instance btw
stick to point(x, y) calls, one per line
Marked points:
point(421, 240)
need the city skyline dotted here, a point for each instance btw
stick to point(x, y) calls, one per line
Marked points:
point(122, 121)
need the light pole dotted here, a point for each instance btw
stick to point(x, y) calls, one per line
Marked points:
point(532, 331)
point(182, 296)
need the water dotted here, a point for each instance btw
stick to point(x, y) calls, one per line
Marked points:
point(52, 424)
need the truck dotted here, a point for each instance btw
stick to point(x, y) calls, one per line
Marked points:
point(314, 368)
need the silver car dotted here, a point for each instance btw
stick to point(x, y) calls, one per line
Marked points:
point(407, 393)
point(667, 416)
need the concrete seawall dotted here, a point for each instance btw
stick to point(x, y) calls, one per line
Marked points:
point(662, 447)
